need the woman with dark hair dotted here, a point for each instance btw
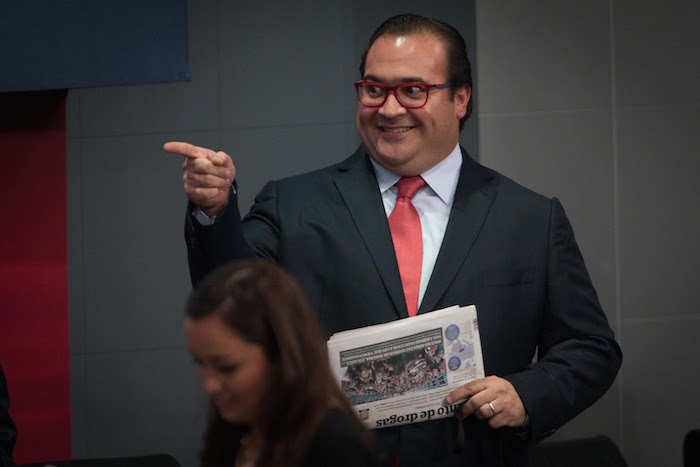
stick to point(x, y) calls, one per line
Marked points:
point(264, 363)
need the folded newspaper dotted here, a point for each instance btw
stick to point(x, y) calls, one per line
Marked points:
point(400, 372)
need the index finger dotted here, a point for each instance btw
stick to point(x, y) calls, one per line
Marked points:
point(186, 149)
point(466, 391)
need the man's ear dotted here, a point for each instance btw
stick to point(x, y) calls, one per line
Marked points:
point(461, 99)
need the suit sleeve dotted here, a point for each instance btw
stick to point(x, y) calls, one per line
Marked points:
point(578, 357)
point(229, 237)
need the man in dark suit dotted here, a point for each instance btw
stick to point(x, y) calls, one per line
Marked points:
point(486, 241)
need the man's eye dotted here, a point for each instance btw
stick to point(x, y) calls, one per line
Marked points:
point(373, 90)
point(413, 91)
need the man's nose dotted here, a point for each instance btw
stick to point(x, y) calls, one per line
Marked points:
point(392, 107)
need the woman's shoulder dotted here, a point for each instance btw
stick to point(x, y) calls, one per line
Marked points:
point(341, 440)
point(337, 419)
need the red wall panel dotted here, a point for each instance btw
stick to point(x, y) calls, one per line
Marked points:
point(34, 339)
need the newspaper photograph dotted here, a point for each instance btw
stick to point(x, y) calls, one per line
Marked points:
point(400, 372)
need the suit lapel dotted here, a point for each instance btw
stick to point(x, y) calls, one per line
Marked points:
point(473, 200)
point(357, 184)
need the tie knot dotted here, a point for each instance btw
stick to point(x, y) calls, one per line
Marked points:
point(409, 186)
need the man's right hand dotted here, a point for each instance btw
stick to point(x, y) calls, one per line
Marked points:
point(207, 175)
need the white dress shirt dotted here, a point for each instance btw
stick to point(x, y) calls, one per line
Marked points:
point(433, 203)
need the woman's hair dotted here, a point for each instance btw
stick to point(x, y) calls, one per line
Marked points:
point(266, 306)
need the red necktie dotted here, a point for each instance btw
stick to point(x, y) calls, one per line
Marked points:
point(404, 224)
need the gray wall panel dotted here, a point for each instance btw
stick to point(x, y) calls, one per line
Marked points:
point(143, 402)
point(629, 177)
point(659, 215)
point(275, 70)
point(543, 56)
point(660, 370)
point(134, 286)
point(656, 45)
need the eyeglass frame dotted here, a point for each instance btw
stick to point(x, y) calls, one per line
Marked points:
point(392, 89)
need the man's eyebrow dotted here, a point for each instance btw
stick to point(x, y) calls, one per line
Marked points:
point(406, 79)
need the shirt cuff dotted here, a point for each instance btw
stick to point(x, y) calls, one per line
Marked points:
point(202, 218)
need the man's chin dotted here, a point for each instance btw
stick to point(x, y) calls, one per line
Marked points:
point(397, 163)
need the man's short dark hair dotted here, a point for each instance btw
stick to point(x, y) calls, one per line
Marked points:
point(459, 70)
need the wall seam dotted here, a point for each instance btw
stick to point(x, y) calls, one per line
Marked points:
point(616, 203)
point(84, 447)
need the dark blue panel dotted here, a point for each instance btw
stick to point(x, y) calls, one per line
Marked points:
point(50, 44)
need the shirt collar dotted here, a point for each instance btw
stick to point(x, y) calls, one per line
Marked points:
point(442, 178)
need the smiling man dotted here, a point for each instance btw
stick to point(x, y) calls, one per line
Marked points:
point(410, 223)
point(409, 129)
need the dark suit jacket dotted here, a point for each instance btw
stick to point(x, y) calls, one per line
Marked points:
point(507, 250)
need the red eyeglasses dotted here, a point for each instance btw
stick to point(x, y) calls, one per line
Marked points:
point(409, 95)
